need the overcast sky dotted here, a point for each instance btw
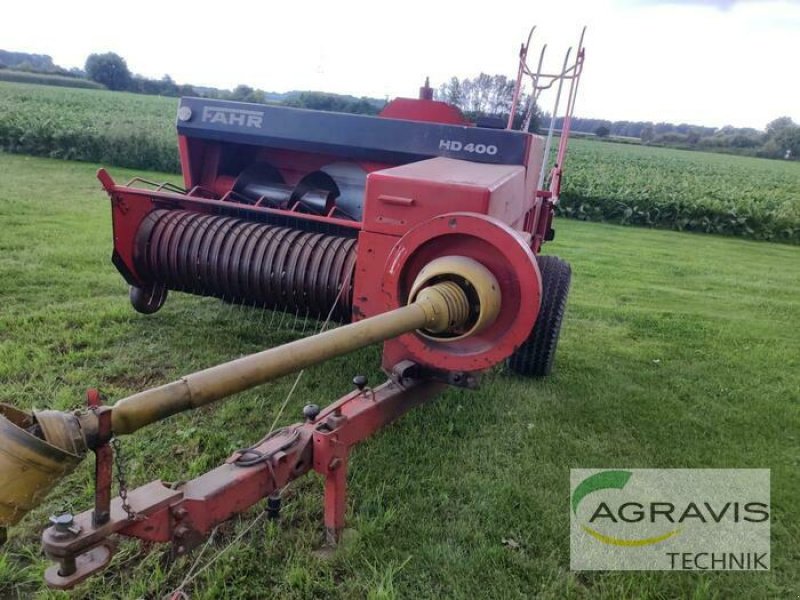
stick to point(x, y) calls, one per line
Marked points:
point(710, 63)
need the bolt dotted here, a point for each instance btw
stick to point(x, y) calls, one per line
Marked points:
point(360, 381)
point(273, 506)
point(184, 113)
point(181, 531)
point(310, 412)
point(67, 566)
point(62, 522)
point(64, 526)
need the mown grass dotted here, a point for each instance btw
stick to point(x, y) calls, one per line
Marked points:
point(611, 182)
point(678, 351)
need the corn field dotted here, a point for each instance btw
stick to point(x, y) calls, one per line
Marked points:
point(626, 184)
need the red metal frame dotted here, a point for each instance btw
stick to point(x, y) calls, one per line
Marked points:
point(186, 515)
point(413, 213)
point(210, 189)
point(496, 246)
point(104, 457)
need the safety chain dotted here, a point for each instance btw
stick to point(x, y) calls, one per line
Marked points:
point(122, 480)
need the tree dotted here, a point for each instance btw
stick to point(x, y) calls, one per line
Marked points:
point(779, 124)
point(788, 140)
point(602, 131)
point(110, 70)
point(333, 102)
point(486, 96)
point(244, 93)
point(451, 92)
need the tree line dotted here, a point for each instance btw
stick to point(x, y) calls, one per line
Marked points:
point(780, 138)
point(112, 71)
point(485, 99)
point(491, 96)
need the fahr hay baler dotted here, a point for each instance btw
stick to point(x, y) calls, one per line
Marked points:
point(414, 228)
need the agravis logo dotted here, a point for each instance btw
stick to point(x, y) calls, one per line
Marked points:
point(671, 519)
point(612, 480)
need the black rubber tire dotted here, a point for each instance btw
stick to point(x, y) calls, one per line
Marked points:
point(534, 358)
point(148, 300)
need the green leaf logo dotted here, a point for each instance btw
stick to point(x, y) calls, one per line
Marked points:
point(599, 481)
point(605, 480)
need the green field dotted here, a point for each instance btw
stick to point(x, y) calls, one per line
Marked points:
point(48, 79)
point(682, 190)
point(678, 350)
point(617, 183)
point(113, 128)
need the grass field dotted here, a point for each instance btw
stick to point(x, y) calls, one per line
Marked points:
point(616, 183)
point(678, 351)
point(114, 128)
point(48, 79)
point(682, 190)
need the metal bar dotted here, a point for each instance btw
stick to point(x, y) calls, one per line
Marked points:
point(535, 92)
point(431, 309)
point(553, 118)
point(103, 467)
point(158, 186)
point(573, 93)
point(523, 56)
point(187, 514)
point(104, 459)
point(335, 499)
point(168, 199)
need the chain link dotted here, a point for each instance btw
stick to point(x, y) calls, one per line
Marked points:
point(122, 480)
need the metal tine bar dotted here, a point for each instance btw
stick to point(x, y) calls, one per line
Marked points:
point(536, 89)
point(552, 127)
point(575, 81)
point(158, 186)
point(171, 187)
point(202, 192)
point(535, 92)
point(561, 75)
point(573, 93)
point(541, 81)
point(567, 72)
point(550, 85)
point(523, 56)
point(539, 67)
point(555, 76)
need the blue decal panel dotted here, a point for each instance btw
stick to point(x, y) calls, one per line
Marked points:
point(352, 136)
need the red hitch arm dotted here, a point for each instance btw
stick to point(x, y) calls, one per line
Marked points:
point(187, 514)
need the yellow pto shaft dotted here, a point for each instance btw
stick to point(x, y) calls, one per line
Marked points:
point(451, 296)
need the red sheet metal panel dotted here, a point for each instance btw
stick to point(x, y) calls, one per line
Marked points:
point(401, 197)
